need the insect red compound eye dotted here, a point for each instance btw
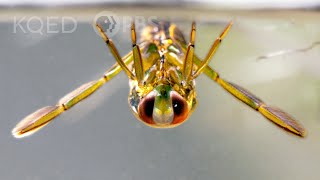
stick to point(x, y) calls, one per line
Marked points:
point(145, 108)
point(180, 108)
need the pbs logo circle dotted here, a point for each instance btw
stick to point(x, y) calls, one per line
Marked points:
point(108, 21)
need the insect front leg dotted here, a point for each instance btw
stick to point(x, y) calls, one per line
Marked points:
point(188, 60)
point(212, 51)
point(137, 59)
point(43, 116)
point(115, 52)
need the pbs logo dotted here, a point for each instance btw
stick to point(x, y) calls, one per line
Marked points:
point(109, 22)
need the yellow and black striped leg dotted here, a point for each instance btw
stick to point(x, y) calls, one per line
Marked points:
point(137, 59)
point(274, 114)
point(115, 52)
point(188, 60)
point(43, 116)
point(212, 50)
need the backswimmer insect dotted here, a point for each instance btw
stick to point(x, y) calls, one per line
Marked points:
point(162, 70)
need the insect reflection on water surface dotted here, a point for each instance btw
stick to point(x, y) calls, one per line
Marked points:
point(162, 70)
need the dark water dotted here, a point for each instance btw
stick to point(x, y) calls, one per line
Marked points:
point(223, 139)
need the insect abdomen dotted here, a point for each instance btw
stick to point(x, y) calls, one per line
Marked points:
point(162, 30)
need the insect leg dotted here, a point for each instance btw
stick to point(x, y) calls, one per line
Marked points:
point(115, 52)
point(138, 66)
point(43, 116)
point(274, 114)
point(212, 50)
point(188, 61)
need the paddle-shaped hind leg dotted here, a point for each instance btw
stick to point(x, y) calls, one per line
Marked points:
point(274, 114)
point(43, 116)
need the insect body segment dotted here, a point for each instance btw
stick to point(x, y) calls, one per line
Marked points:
point(168, 99)
point(162, 72)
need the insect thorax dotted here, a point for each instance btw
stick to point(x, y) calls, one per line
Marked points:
point(162, 63)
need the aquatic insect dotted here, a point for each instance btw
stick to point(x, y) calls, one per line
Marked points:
point(162, 72)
